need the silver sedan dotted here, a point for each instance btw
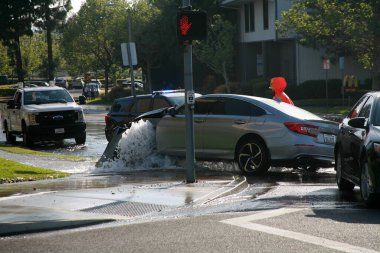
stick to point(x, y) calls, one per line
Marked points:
point(255, 132)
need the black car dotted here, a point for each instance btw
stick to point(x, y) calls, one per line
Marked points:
point(357, 149)
point(124, 110)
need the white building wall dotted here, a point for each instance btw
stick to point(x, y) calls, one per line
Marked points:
point(259, 34)
point(310, 66)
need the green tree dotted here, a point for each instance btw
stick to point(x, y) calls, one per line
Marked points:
point(342, 28)
point(218, 50)
point(16, 19)
point(52, 15)
point(89, 37)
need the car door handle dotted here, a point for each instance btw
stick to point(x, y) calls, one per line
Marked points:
point(199, 120)
point(240, 122)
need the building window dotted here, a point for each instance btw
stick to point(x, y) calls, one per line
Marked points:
point(249, 16)
point(266, 14)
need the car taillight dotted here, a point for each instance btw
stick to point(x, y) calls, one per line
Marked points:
point(107, 119)
point(302, 128)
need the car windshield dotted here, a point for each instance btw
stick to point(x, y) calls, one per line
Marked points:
point(47, 97)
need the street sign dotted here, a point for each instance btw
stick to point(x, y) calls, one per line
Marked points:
point(190, 97)
point(124, 53)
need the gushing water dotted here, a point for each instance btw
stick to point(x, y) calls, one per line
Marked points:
point(136, 151)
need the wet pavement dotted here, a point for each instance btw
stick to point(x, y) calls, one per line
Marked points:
point(93, 199)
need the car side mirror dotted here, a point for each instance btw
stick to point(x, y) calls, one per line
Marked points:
point(11, 104)
point(359, 122)
point(82, 100)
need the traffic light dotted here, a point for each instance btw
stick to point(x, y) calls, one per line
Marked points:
point(191, 25)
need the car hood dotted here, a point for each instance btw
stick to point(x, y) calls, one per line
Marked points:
point(158, 113)
point(53, 107)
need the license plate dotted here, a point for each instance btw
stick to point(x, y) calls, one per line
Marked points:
point(59, 130)
point(326, 138)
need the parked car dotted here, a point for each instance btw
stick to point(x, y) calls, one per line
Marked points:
point(357, 150)
point(139, 85)
point(61, 82)
point(77, 83)
point(36, 84)
point(255, 132)
point(97, 82)
point(124, 110)
point(91, 90)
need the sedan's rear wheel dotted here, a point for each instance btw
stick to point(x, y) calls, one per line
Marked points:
point(342, 183)
point(253, 157)
point(366, 185)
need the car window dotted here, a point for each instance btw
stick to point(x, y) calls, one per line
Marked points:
point(116, 107)
point(366, 109)
point(242, 108)
point(209, 106)
point(141, 105)
point(160, 103)
point(356, 109)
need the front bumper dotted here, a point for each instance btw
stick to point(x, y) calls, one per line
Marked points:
point(56, 132)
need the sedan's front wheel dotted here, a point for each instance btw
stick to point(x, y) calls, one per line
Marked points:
point(253, 157)
point(366, 185)
point(342, 183)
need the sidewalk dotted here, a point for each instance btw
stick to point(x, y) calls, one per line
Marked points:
point(140, 194)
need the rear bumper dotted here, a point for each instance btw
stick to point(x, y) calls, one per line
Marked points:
point(55, 132)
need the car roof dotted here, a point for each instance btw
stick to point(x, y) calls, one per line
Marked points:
point(42, 88)
point(272, 106)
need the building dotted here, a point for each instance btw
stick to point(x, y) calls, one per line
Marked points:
point(262, 53)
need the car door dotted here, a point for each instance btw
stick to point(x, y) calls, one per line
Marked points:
point(348, 135)
point(15, 113)
point(171, 131)
point(224, 125)
point(358, 136)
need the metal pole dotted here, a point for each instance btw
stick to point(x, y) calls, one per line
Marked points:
point(130, 55)
point(327, 91)
point(189, 112)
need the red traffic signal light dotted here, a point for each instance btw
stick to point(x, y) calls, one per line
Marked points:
point(191, 25)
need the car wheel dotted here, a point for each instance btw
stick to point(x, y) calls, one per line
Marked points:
point(366, 185)
point(8, 136)
point(81, 139)
point(26, 140)
point(253, 157)
point(342, 183)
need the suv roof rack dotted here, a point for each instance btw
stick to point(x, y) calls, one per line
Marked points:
point(157, 92)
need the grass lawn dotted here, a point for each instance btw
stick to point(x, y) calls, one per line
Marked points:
point(24, 151)
point(11, 171)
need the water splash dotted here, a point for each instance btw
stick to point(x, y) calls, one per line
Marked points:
point(137, 151)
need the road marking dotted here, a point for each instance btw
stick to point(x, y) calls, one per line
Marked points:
point(246, 222)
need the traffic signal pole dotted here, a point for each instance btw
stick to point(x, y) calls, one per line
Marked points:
point(189, 105)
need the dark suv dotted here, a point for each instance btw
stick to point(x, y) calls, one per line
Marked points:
point(125, 109)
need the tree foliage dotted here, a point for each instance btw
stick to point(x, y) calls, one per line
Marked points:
point(16, 19)
point(342, 28)
point(218, 50)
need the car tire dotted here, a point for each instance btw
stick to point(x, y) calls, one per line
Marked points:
point(26, 140)
point(81, 139)
point(366, 185)
point(343, 184)
point(10, 138)
point(253, 157)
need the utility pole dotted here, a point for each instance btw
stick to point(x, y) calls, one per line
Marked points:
point(189, 105)
point(130, 54)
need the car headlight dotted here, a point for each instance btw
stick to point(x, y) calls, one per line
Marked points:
point(376, 148)
point(80, 116)
point(33, 118)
